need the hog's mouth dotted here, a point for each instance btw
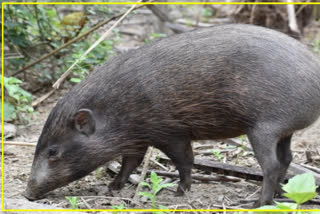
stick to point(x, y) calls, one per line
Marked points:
point(36, 192)
point(28, 194)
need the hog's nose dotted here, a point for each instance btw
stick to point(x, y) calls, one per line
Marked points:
point(31, 195)
point(28, 196)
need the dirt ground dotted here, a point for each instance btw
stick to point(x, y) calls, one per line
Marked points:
point(92, 190)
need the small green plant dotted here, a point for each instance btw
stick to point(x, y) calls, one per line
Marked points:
point(17, 105)
point(155, 187)
point(217, 154)
point(300, 188)
point(118, 207)
point(74, 202)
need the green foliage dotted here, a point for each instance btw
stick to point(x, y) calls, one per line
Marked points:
point(30, 31)
point(217, 154)
point(28, 26)
point(155, 187)
point(74, 202)
point(118, 207)
point(300, 189)
point(17, 105)
point(96, 57)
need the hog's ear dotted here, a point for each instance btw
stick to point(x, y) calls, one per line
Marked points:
point(84, 121)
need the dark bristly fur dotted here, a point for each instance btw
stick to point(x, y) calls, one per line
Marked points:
point(212, 83)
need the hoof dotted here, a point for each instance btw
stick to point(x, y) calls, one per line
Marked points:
point(115, 185)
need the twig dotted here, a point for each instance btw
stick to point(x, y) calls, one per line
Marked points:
point(293, 26)
point(223, 207)
point(159, 164)
point(252, 14)
point(179, 205)
point(56, 85)
point(18, 143)
point(250, 196)
point(13, 57)
point(143, 174)
point(302, 7)
point(85, 203)
point(42, 98)
point(72, 41)
point(108, 197)
point(315, 169)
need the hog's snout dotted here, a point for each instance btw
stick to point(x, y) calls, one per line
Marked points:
point(31, 195)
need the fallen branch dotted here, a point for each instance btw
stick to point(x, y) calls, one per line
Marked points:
point(42, 98)
point(294, 169)
point(86, 203)
point(18, 143)
point(56, 85)
point(228, 169)
point(315, 169)
point(199, 177)
point(225, 169)
point(72, 41)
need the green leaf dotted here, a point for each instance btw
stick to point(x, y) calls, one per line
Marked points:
point(8, 111)
point(301, 197)
point(13, 80)
point(269, 207)
point(301, 183)
point(155, 179)
point(286, 206)
point(75, 80)
point(301, 188)
point(153, 176)
point(156, 189)
point(167, 185)
point(145, 184)
point(147, 194)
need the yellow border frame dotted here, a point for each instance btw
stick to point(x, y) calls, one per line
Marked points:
point(110, 210)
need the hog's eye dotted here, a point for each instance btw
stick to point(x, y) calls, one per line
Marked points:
point(52, 152)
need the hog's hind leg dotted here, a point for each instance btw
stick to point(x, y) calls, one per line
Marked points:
point(285, 157)
point(264, 141)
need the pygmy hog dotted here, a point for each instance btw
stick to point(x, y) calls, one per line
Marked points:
point(212, 83)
